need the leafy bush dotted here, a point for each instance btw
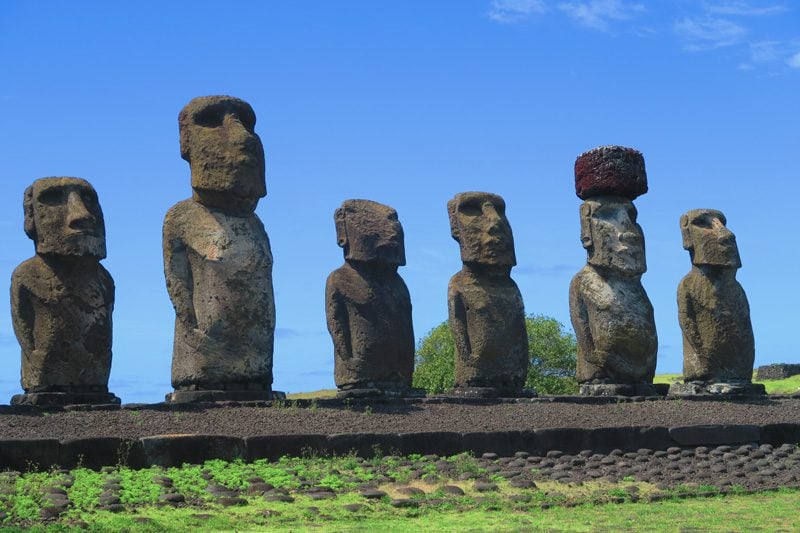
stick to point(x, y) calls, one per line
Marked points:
point(552, 350)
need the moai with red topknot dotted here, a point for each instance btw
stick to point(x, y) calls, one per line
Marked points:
point(610, 311)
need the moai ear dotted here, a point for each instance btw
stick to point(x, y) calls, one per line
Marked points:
point(339, 218)
point(586, 225)
point(451, 213)
point(687, 240)
point(27, 206)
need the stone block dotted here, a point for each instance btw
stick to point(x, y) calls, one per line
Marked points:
point(713, 434)
point(28, 454)
point(438, 442)
point(97, 452)
point(175, 450)
point(273, 447)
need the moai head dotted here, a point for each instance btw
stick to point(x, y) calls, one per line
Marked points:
point(63, 217)
point(225, 154)
point(709, 241)
point(612, 237)
point(478, 222)
point(369, 232)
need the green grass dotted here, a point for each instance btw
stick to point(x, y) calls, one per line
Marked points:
point(588, 506)
point(777, 386)
point(320, 394)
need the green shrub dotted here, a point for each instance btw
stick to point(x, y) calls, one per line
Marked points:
point(551, 347)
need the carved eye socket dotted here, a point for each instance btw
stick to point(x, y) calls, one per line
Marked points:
point(702, 222)
point(471, 208)
point(52, 196)
point(209, 118)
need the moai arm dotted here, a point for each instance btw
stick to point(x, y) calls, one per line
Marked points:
point(22, 314)
point(338, 320)
point(579, 316)
point(688, 318)
point(178, 272)
point(458, 323)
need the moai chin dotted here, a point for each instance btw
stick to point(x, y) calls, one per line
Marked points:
point(367, 304)
point(486, 313)
point(610, 311)
point(62, 298)
point(718, 344)
point(217, 259)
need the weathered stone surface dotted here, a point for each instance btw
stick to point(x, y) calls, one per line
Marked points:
point(715, 434)
point(713, 312)
point(486, 313)
point(174, 450)
point(610, 311)
point(368, 307)
point(610, 170)
point(62, 298)
point(777, 371)
point(217, 257)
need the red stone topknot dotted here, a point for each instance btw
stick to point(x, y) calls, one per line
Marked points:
point(610, 170)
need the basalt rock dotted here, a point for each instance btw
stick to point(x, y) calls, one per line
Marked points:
point(217, 259)
point(368, 307)
point(609, 308)
point(718, 344)
point(486, 313)
point(62, 298)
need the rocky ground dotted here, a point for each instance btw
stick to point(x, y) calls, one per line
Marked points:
point(333, 418)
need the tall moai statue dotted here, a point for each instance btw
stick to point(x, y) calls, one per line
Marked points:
point(718, 344)
point(217, 259)
point(486, 313)
point(367, 304)
point(62, 298)
point(610, 311)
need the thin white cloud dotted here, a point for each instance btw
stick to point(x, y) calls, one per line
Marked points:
point(743, 9)
point(794, 61)
point(515, 10)
point(598, 14)
point(708, 33)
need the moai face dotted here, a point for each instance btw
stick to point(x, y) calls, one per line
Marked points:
point(225, 154)
point(611, 235)
point(63, 217)
point(708, 240)
point(478, 222)
point(370, 232)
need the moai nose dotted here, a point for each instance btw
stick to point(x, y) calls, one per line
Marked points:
point(78, 216)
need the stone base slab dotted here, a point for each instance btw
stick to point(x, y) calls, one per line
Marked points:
point(490, 392)
point(202, 396)
point(717, 389)
point(46, 399)
point(623, 389)
point(380, 393)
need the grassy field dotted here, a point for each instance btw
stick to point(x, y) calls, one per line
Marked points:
point(552, 506)
point(779, 386)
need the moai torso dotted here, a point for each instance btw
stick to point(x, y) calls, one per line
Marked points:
point(225, 333)
point(62, 298)
point(713, 312)
point(486, 313)
point(487, 318)
point(615, 328)
point(369, 317)
point(367, 304)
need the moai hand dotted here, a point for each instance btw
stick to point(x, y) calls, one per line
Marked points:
point(718, 344)
point(610, 311)
point(486, 313)
point(367, 303)
point(62, 298)
point(217, 259)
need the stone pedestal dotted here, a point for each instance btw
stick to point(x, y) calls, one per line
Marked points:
point(52, 399)
point(623, 389)
point(197, 396)
point(717, 389)
point(491, 392)
point(381, 391)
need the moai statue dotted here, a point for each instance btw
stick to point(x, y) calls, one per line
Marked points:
point(718, 345)
point(486, 314)
point(62, 298)
point(610, 311)
point(217, 259)
point(367, 304)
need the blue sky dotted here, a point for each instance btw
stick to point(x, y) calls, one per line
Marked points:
point(408, 103)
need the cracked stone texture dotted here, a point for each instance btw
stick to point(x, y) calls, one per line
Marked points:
point(609, 308)
point(486, 313)
point(368, 307)
point(713, 312)
point(217, 258)
point(62, 298)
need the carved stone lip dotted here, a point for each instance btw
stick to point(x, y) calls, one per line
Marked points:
point(82, 232)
